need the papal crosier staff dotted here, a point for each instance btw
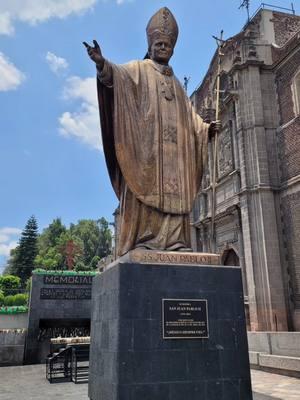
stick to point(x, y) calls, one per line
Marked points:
point(154, 142)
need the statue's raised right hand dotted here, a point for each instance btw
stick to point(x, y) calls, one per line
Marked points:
point(95, 53)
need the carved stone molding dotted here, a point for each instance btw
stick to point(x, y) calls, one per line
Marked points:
point(225, 153)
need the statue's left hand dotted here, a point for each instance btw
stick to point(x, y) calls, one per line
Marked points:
point(214, 127)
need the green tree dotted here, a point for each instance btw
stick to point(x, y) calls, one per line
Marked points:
point(71, 249)
point(66, 252)
point(22, 258)
point(28, 285)
point(49, 255)
point(89, 233)
point(9, 284)
point(81, 246)
point(50, 236)
point(10, 264)
point(96, 237)
point(105, 239)
point(1, 299)
point(50, 259)
point(94, 262)
point(80, 266)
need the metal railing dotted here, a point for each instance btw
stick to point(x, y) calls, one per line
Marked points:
point(59, 366)
point(272, 6)
point(80, 363)
point(70, 363)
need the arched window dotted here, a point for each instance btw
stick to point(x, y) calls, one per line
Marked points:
point(296, 93)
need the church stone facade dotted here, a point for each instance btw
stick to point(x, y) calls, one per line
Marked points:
point(257, 221)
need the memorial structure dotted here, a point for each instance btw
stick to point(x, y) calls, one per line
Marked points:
point(166, 323)
point(60, 305)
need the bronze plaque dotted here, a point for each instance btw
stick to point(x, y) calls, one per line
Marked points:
point(184, 319)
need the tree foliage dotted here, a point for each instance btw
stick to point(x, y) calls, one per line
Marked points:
point(80, 247)
point(22, 258)
point(105, 241)
point(9, 284)
point(50, 235)
point(19, 299)
point(1, 299)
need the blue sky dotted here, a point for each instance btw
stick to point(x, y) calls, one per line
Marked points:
point(51, 160)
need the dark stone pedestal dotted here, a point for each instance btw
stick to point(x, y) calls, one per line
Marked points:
point(130, 360)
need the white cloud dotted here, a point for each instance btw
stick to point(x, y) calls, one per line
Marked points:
point(84, 89)
point(6, 27)
point(10, 76)
point(56, 64)
point(8, 240)
point(119, 2)
point(5, 248)
point(82, 124)
point(10, 231)
point(37, 11)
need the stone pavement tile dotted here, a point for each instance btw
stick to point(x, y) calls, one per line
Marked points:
point(275, 386)
point(28, 382)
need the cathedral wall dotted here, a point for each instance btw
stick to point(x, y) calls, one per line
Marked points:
point(289, 147)
point(285, 73)
point(288, 142)
point(290, 207)
point(285, 26)
point(258, 188)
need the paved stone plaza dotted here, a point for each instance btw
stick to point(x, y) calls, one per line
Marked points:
point(29, 383)
point(272, 386)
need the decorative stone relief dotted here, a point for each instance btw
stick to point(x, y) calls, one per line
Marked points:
point(206, 177)
point(203, 205)
point(225, 153)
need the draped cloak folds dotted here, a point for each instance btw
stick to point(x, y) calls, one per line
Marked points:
point(155, 146)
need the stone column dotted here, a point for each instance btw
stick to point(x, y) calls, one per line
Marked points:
point(259, 226)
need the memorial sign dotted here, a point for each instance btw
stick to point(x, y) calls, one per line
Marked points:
point(68, 279)
point(185, 319)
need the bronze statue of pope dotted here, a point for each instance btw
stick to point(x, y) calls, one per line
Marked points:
point(154, 142)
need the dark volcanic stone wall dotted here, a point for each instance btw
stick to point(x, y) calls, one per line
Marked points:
point(61, 309)
point(131, 360)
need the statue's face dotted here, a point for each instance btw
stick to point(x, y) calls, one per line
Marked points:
point(161, 50)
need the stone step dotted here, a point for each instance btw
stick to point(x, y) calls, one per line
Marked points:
point(261, 396)
point(279, 343)
point(280, 362)
point(274, 362)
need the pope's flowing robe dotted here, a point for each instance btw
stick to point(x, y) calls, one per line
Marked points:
point(155, 147)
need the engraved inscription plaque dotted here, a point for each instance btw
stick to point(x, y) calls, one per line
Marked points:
point(66, 294)
point(184, 319)
point(172, 257)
